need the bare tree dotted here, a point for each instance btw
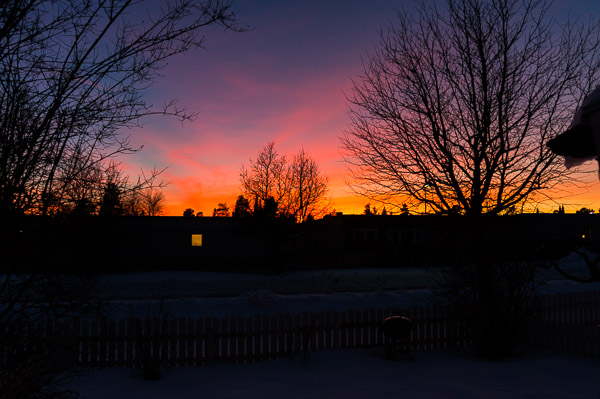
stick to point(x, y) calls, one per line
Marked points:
point(457, 103)
point(297, 187)
point(72, 74)
point(266, 177)
point(154, 202)
point(149, 201)
point(88, 194)
point(308, 188)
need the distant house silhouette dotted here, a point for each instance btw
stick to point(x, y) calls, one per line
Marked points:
point(118, 244)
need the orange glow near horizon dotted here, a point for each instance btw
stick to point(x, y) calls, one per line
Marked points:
point(192, 194)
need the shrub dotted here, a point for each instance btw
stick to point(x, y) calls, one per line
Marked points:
point(496, 300)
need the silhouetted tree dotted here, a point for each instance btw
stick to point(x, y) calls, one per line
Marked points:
point(242, 207)
point(369, 211)
point(83, 195)
point(84, 207)
point(297, 187)
point(560, 210)
point(404, 210)
point(269, 209)
point(154, 202)
point(307, 188)
point(139, 197)
point(267, 176)
point(457, 102)
point(146, 202)
point(222, 210)
point(111, 201)
point(189, 212)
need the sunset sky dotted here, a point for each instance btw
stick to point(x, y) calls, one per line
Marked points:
point(284, 80)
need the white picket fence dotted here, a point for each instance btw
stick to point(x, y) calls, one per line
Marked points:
point(567, 322)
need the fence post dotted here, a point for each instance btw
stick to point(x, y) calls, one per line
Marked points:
point(259, 350)
point(336, 330)
point(265, 335)
point(218, 336)
point(121, 343)
point(182, 343)
point(76, 340)
point(200, 338)
point(435, 326)
point(344, 330)
point(112, 343)
point(224, 340)
point(351, 328)
point(372, 340)
point(328, 329)
point(190, 334)
point(250, 340)
point(297, 333)
point(94, 343)
point(131, 339)
point(283, 334)
point(240, 339)
point(319, 330)
point(274, 338)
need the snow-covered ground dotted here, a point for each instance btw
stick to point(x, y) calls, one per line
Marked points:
point(356, 373)
point(361, 373)
point(197, 294)
point(211, 284)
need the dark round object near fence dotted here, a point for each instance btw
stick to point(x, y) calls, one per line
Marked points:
point(397, 327)
point(396, 330)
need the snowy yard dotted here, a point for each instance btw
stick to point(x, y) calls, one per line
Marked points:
point(194, 294)
point(350, 373)
point(362, 373)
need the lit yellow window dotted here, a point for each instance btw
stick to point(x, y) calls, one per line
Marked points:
point(196, 240)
